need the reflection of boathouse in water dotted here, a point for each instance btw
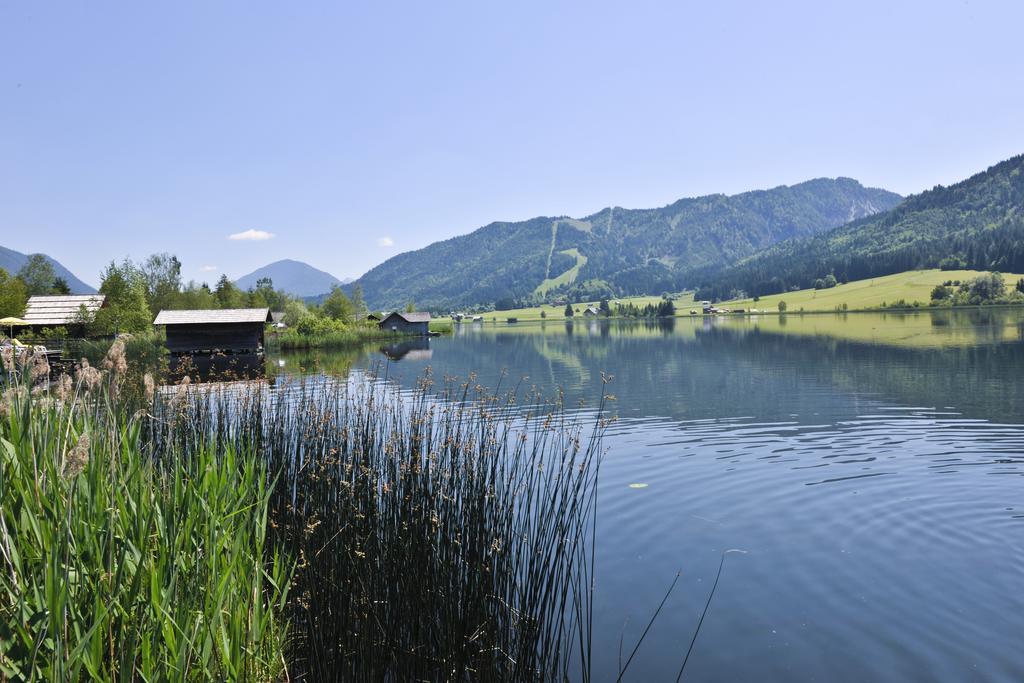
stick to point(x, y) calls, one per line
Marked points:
point(414, 349)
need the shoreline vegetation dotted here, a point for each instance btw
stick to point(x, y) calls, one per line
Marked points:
point(319, 529)
point(343, 336)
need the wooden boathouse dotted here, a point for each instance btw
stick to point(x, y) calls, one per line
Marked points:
point(229, 330)
point(406, 323)
point(74, 313)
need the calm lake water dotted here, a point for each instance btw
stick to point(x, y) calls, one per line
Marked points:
point(870, 466)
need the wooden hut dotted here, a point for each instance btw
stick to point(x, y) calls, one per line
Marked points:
point(230, 330)
point(70, 312)
point(406, 323)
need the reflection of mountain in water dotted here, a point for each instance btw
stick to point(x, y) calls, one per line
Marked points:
point(708, 369)
point(413, 350)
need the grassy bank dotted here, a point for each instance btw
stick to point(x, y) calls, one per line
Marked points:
point(318, 531)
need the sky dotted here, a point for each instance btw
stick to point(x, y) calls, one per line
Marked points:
point(234, 134)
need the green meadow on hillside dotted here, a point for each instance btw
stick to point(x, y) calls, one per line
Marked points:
point(910, 286)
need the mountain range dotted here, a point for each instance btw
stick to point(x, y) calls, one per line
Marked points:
point(295, 277)
point(976, 224)
point(754, 243)
point(616, 250)
point(12, 261)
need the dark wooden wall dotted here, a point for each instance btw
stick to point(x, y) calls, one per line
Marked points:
point(396, 324)
point(233, 337)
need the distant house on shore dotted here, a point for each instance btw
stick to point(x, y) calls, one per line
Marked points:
point(230, 330)
point(591, 312)
point(406, 323)
point(70, 312)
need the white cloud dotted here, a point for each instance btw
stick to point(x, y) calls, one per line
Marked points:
point(208, 269)
point(385, 242)
point(251, 235)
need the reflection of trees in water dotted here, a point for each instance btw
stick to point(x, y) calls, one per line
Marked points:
point(706, 369)
point(726, 371)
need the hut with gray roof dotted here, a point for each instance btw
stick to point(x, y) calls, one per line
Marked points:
point(228, 330)
point(406, 323)
point(70, 312)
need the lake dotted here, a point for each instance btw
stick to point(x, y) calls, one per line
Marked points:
point(868, 465)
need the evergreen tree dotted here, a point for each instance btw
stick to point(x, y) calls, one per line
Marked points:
point(228, 294)
point(568, 311)
point(61, 286)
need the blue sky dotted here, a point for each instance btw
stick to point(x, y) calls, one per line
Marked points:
point(351, 132)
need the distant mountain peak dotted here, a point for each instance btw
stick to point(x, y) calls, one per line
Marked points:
point(12, 261)
point(295, 277)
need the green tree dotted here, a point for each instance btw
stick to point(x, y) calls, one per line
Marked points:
point(987, 287)
point(782, 307)
point(830, 281)
point(227, 294)
point(358, 302)
point(568, 311)
point(161, 274)
point(13, 295)
point(337, 306)
point(196, 297)
point(1020, 285)
point(940, 293)
point(410, 307)
point(126, 308)
point(61, 286)
point(265, 296)
point(605, 309)
point(38, 275)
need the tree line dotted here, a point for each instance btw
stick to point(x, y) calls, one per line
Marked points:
point(136, 292)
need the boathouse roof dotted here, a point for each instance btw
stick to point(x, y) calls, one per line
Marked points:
point(416, 317)
point(61, 310)
point(214, 316)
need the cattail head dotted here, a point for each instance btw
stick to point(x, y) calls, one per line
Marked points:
point(115, 361)
point(77, 458)
point(7, 358)
point(40, 366)
point(65, 388)
point(149, 386)
point(181, 393)
point(88, 376)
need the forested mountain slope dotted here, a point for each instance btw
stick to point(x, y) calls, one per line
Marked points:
point(976, 224)
point(622, 251)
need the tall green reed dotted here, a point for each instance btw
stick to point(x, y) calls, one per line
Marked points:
point(440, 535)
point(115, 565)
